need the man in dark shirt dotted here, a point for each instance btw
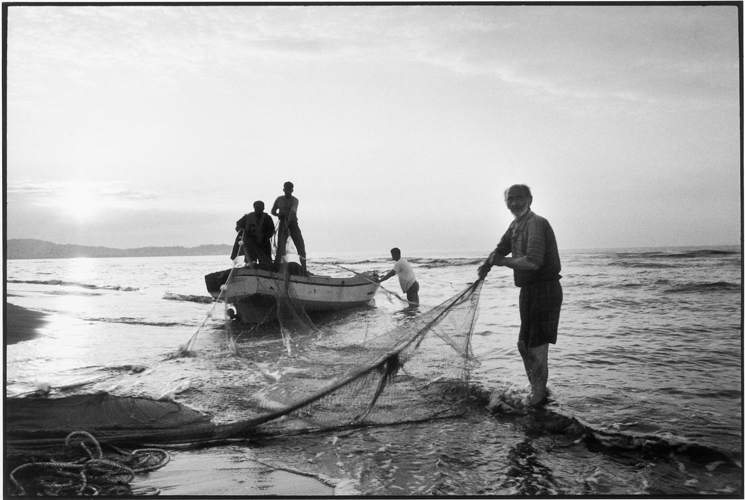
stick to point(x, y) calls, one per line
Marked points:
point(255, 229)
point(536, 265)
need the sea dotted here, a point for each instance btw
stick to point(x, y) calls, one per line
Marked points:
point(645, 379)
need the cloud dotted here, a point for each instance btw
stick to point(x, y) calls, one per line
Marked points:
point(624, 54)
point(97, 195)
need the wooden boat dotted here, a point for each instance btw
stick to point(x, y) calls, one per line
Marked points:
point(253, 292)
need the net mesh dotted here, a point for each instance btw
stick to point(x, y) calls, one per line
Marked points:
point(416, 371)
point(291, 315)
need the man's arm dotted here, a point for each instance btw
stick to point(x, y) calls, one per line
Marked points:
point(241, 223)
point(518, 263)
point(504, 247)
point(534, 254)
point(292, 216)
point(388, 275)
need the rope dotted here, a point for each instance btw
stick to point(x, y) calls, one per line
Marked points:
point(94, 475)
point(372, 281)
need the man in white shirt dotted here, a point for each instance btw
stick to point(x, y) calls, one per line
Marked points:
point(285, 207)
point(406, 277)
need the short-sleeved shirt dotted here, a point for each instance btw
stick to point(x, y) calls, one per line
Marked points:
point(531, 236)
point(287, 207)
point(263, 227)
point(405, 273)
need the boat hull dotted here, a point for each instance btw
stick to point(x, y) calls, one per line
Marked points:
point(253, 292)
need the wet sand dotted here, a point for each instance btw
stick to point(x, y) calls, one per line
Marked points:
point(217, 471)
point(20, 324)
point(220, 471)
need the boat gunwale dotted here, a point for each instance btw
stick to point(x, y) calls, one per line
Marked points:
point(330, 281)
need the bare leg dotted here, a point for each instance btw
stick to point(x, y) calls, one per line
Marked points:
point(282, 235)
point(536, 366)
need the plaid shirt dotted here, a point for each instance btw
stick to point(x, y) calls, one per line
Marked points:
point(531, 236)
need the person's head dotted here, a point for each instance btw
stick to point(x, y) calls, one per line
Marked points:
point(395, 253)
point(288, 188)
point(518, 199)
point(258, 206)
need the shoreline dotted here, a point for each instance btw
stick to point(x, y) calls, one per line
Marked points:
point(215, 470)
point(21, 324)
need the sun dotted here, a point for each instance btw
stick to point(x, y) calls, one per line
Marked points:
point(80, 205)
point(84, 202)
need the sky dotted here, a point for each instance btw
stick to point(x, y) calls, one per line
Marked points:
point(400, 125)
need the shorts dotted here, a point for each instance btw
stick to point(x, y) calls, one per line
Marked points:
point(540, 305)
point(412, 294)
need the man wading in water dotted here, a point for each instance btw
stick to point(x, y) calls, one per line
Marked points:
point(536, 265)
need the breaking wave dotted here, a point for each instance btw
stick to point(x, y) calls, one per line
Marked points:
point(455, 262)
point(544, 419)
point(704, 287)
point(73, 283)
point(200, 299)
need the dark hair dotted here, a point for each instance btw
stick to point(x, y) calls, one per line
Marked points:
point(290, 185)
point(524, 187)
point(396, 251)
point(258, 204)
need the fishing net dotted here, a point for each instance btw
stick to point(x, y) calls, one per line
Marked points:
point(416, 371)
point(275, 298)
point(292, 317)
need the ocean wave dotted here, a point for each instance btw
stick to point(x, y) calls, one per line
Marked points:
point(74, 283)
point(644, 265)
point(77, 293)
point(454, 262)
point(723, 286)
point(699, 253)
point(423, 262)
point(683, 254)
point(140, 322)
point(544, 419)
point(126, 320)
point(201, 299)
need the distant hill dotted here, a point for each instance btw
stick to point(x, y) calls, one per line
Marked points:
point(38, 249)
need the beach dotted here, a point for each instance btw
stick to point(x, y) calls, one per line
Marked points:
point(645, 377)
point(21, 324)
point(201, 471)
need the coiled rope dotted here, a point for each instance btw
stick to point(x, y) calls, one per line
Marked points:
point(89, 475)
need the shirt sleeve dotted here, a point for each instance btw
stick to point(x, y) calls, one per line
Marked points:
point(504, 247)
point(240, 223)
point(536, 250)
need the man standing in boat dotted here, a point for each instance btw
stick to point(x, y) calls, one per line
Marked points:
point(406, 277)
point(285, 207)
point(536, 265)
point(257, 230)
